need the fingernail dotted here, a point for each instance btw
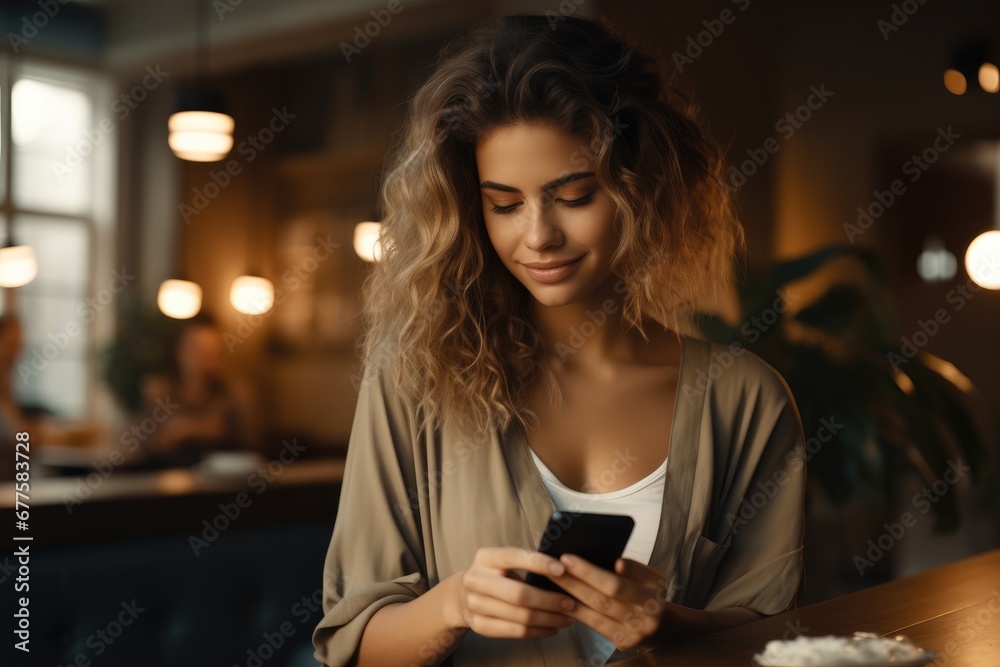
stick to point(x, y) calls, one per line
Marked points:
point(556, 568)
point(568, 605)
point(566, 558)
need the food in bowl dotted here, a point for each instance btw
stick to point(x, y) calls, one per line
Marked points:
point(864, 648)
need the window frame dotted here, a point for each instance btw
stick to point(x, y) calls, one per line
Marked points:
point(98, 218)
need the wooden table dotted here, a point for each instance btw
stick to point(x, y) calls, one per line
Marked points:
point(954, 609)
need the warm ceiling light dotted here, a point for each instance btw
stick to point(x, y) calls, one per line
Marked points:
point(200, 136)
point(366, 243)
point(955, 82)
point(179, 299)
point(982, 259)
point(252, 295)
point(18, 265)
point(200, 129)
point(989, 78)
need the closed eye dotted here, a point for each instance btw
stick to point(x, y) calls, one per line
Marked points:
point(585, 199)
point(568, 203)
point(504, 209)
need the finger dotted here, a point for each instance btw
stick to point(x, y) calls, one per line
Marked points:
point(637, 571)
point(508, 558)
point(625, 635)
point(593, 598)
point(494, 608)
point(488, 626)
point(601, 623)
point(516, 592)
point(607, 583)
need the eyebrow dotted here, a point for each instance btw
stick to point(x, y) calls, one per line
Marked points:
point(551, 185)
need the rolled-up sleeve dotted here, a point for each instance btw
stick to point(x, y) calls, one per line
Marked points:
point(375, 557)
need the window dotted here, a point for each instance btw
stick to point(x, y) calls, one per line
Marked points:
point(57, 189)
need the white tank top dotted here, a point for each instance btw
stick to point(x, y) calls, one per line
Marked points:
point(643, 501)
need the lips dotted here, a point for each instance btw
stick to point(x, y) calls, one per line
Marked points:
point(549, 265)
point(554, 274)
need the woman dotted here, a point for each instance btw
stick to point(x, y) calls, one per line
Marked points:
point(496, 391)
point(197, 406)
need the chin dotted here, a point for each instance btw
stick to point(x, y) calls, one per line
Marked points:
point(553, 298)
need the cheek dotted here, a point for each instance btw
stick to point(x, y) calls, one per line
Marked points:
point(503, 240)
point(597, 231)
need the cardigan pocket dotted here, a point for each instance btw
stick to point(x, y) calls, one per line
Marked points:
point(705, 560)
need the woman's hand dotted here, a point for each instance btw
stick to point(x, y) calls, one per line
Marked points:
point(494, 602)
point(628, 606)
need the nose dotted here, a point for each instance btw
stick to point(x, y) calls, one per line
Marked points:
point(541, 230)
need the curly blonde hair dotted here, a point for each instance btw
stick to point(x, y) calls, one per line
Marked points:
point(441, 311)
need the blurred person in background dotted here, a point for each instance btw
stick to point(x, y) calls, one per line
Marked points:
point(196, 406)
point(13, 417)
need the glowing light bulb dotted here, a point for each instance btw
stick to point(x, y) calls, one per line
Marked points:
point(982, 259)
point(252, 295)
point(366, 243)
point(179, 299)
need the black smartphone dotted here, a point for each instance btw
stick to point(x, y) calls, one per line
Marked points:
point(597, 538)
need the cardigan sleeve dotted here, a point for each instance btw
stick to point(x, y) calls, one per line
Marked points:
point(375, 557)
point(760, 567)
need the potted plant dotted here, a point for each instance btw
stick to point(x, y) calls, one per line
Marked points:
point(902, 414)
point(141, 346)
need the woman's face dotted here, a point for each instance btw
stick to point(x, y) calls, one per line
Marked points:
point(542, 204)
point(201, 351)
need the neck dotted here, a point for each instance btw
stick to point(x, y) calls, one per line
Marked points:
point(592, 333)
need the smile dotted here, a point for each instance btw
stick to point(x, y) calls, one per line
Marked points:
point(554, 274)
